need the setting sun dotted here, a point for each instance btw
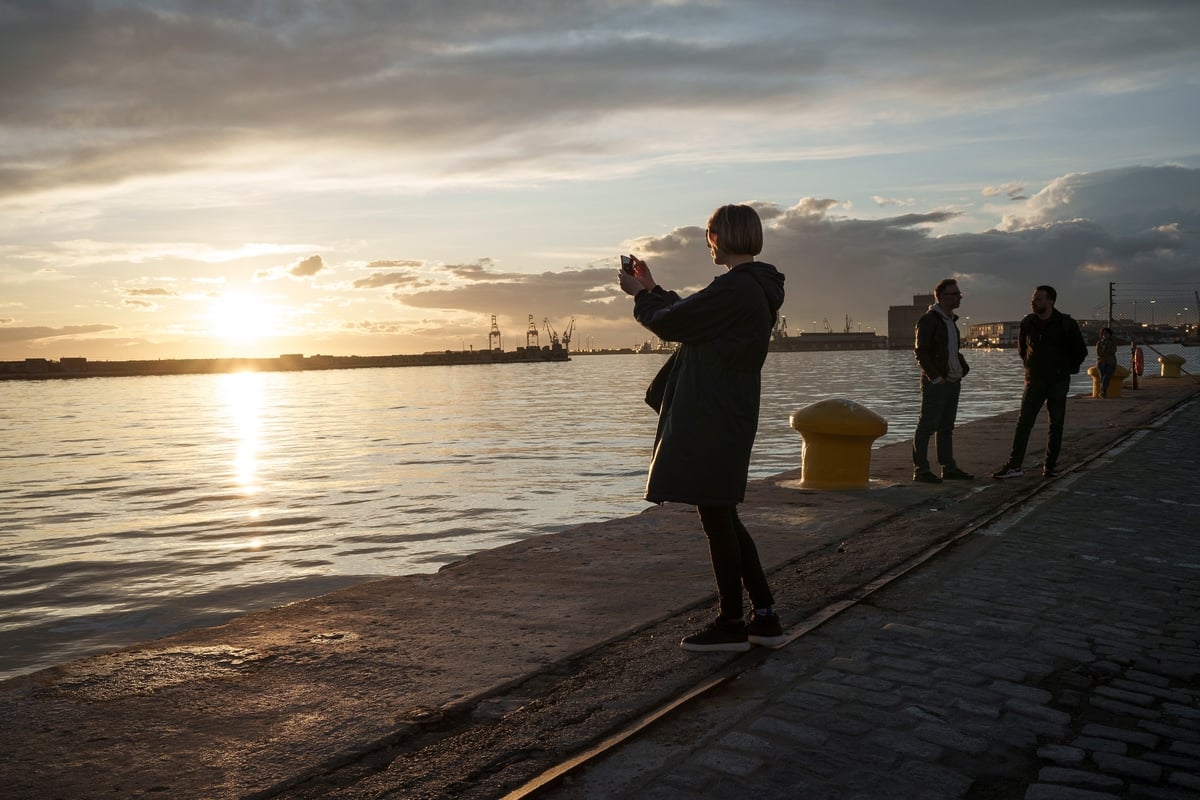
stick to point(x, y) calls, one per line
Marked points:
point(242, 317)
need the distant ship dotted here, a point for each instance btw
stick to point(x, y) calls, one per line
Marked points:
point(781, 342)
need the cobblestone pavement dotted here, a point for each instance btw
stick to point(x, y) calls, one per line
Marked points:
point(1053, 655)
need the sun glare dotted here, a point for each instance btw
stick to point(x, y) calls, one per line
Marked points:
point(242, 317)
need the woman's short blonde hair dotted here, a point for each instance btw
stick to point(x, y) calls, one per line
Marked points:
point(738, 230)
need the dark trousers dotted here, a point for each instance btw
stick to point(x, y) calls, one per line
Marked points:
point(1052, 394)
point(939, 407)
point(1106, 373)
point(734, 560)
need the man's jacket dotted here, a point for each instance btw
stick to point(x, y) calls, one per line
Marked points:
point(1051, 349)
point(933, 345)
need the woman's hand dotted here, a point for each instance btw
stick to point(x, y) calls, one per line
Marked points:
point(640, 279)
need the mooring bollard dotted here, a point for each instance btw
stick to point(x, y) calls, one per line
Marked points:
point(1171, 364)
point(1114, 383)
point(837, 435)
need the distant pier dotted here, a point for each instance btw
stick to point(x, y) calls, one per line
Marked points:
point(48, 369)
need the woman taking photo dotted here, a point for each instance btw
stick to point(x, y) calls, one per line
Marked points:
point(708, 399)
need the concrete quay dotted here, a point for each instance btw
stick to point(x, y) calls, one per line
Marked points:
point(1023, 638)
point(1053, 654)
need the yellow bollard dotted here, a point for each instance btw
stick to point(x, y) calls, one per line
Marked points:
point(837, 437)
point(1171, 364)
point(1114, 383)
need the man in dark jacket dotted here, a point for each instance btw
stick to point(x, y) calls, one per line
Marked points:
point(708, 413)
point(1052, 349)
point(942, 370)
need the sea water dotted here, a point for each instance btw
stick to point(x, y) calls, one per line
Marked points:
point(134, 507)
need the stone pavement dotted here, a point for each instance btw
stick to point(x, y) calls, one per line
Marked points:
point(1053, 654)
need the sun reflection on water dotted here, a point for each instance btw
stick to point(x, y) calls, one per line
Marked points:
point(241, 394)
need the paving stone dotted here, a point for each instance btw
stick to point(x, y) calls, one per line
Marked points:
point(729, 762)
point(906, 744)
point(739, 740)
point(1030, 694)
point(946, 736)
point(1101, 745)
point(1049, 791)
point(1062, 754)
point(1135, 698)
point(1124, 709)
point(1170, 731)
point(1188, 780)
point(1123, 765)
point(1038, 712)
point(793, 732)
point(1186, 748)
point(1080, 778)
point(1147, 740)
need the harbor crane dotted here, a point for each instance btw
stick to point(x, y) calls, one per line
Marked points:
point(780, 331)
point(551, 334)
point(566, 337)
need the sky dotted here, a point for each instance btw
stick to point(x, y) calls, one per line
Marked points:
point(216, 178)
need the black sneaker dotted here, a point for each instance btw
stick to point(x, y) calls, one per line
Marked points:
point(956, 474)
point(765, 631)
point(1049, 472)
point(1007, 471)
point(718, 635)
point(925, 476)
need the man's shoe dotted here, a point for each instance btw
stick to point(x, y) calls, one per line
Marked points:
point(765, 631)
point(1049, 472)
point(1007, 471)
point(925, 476)
point(956, 474)
point(718, 636)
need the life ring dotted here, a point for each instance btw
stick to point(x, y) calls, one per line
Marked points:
point(1138, 362)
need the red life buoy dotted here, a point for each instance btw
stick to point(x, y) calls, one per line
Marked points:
point(1138, 363)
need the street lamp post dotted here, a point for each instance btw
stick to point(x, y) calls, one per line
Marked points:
point(1152, 313)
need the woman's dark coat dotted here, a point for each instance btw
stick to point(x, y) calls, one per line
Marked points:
point(709, 413)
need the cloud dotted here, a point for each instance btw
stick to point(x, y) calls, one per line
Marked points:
point(1012, 191)
point(299, 269)
point(838, 266)
point(1123, 200)
point(153, 292)
point(100, 94)
point(35, 333)
point(306, 267)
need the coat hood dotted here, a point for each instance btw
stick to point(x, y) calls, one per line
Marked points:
point(769, 278)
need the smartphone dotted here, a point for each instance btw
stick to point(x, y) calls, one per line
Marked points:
point(627, 264)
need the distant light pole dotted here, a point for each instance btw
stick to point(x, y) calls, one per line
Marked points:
point(1152, 312)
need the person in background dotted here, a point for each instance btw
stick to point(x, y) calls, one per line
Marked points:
point(708, 399)
point(942, 370)
point(1106, 359)
point(1052, 349)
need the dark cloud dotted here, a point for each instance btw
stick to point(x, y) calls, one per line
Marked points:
point(842, 266)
